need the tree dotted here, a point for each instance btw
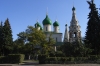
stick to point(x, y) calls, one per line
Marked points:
point(38, 38)
point(48, 45)
point(8, 40)
point(1, 39)
point(75, 49)
point(35, 41)
point(18, 46)
point(92, 37)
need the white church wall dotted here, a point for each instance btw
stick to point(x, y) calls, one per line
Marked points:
point(56, 29)
point(56, 36)
point(47, 28)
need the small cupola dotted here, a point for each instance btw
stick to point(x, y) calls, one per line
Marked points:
point(37, 25)
point(55, 23)
point(73, 9)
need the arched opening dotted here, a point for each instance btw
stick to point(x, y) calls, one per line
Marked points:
point(74, 35)
point(46, 28)
point(56, 39)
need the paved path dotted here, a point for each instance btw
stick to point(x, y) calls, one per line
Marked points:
point(52, 65)
point(34, 63)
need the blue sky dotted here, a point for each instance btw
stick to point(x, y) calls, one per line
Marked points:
point(22, 13)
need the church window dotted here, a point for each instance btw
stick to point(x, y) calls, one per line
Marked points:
point(70, 35)
point(56, 39)
point(74, 34)
point(46, 28)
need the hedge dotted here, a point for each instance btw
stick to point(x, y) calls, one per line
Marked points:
point(12, 58)
point(42, 58)
point(68, 60)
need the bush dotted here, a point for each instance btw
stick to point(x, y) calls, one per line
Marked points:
point(71, 60)
point(12, 58)
point(59, 54)
point(16, 58)
point(93, 58)
point(4, 59)
point(42, 58)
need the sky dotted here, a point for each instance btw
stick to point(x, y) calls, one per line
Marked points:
point(23, 13)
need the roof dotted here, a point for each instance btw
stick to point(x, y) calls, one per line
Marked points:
point(47, 21)
point(73, 8)
point(38, 25)
point(55, 23)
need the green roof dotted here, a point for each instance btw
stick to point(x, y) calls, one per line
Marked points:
point(73, 8)
point(47, 21)
point(55, 23)
point(38, 25)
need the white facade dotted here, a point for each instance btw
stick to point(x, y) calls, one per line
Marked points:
point(47, 28)
point(56, 36)
point(56, 29)
point(38, 28)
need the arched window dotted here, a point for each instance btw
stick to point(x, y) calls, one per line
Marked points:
point(46, 28)
point(74, 34)
point(56, 39)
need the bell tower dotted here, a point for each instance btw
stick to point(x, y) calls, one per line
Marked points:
point(74, 28)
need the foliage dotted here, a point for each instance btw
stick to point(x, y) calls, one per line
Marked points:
point(16, 58)
point(6, 40)
point(75, 49)
point(12, 58)
point(71, 60)
point(18, 46)
point(92, 37)
point(42, 58)
point(56, 54)
point(1, 39)
point(33, 41)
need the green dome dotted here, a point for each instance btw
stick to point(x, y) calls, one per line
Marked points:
point(55, 23)
point(47, 21)
point(37, 25)
point(73, 8)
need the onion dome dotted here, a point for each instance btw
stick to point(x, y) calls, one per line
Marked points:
point(37, 25)
point(55, 23)
point(73, 8)
point(65, 24)
point(47, 21)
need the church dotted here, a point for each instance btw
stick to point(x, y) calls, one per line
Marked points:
point(70, 35)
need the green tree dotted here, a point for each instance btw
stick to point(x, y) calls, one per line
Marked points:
point(35, 41)
point(8, 40)
point(92, 37)
point(22, 36)
point(18, 46)
point(48, 45)
point(75, 49)
point(1, 39)
point(38, 39)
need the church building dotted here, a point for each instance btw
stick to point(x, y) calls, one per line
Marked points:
point(73, 34)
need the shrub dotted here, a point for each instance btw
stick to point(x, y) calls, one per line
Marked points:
point(59, 54)
point(93, 58)
point(42, 58)
point(16, 58)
